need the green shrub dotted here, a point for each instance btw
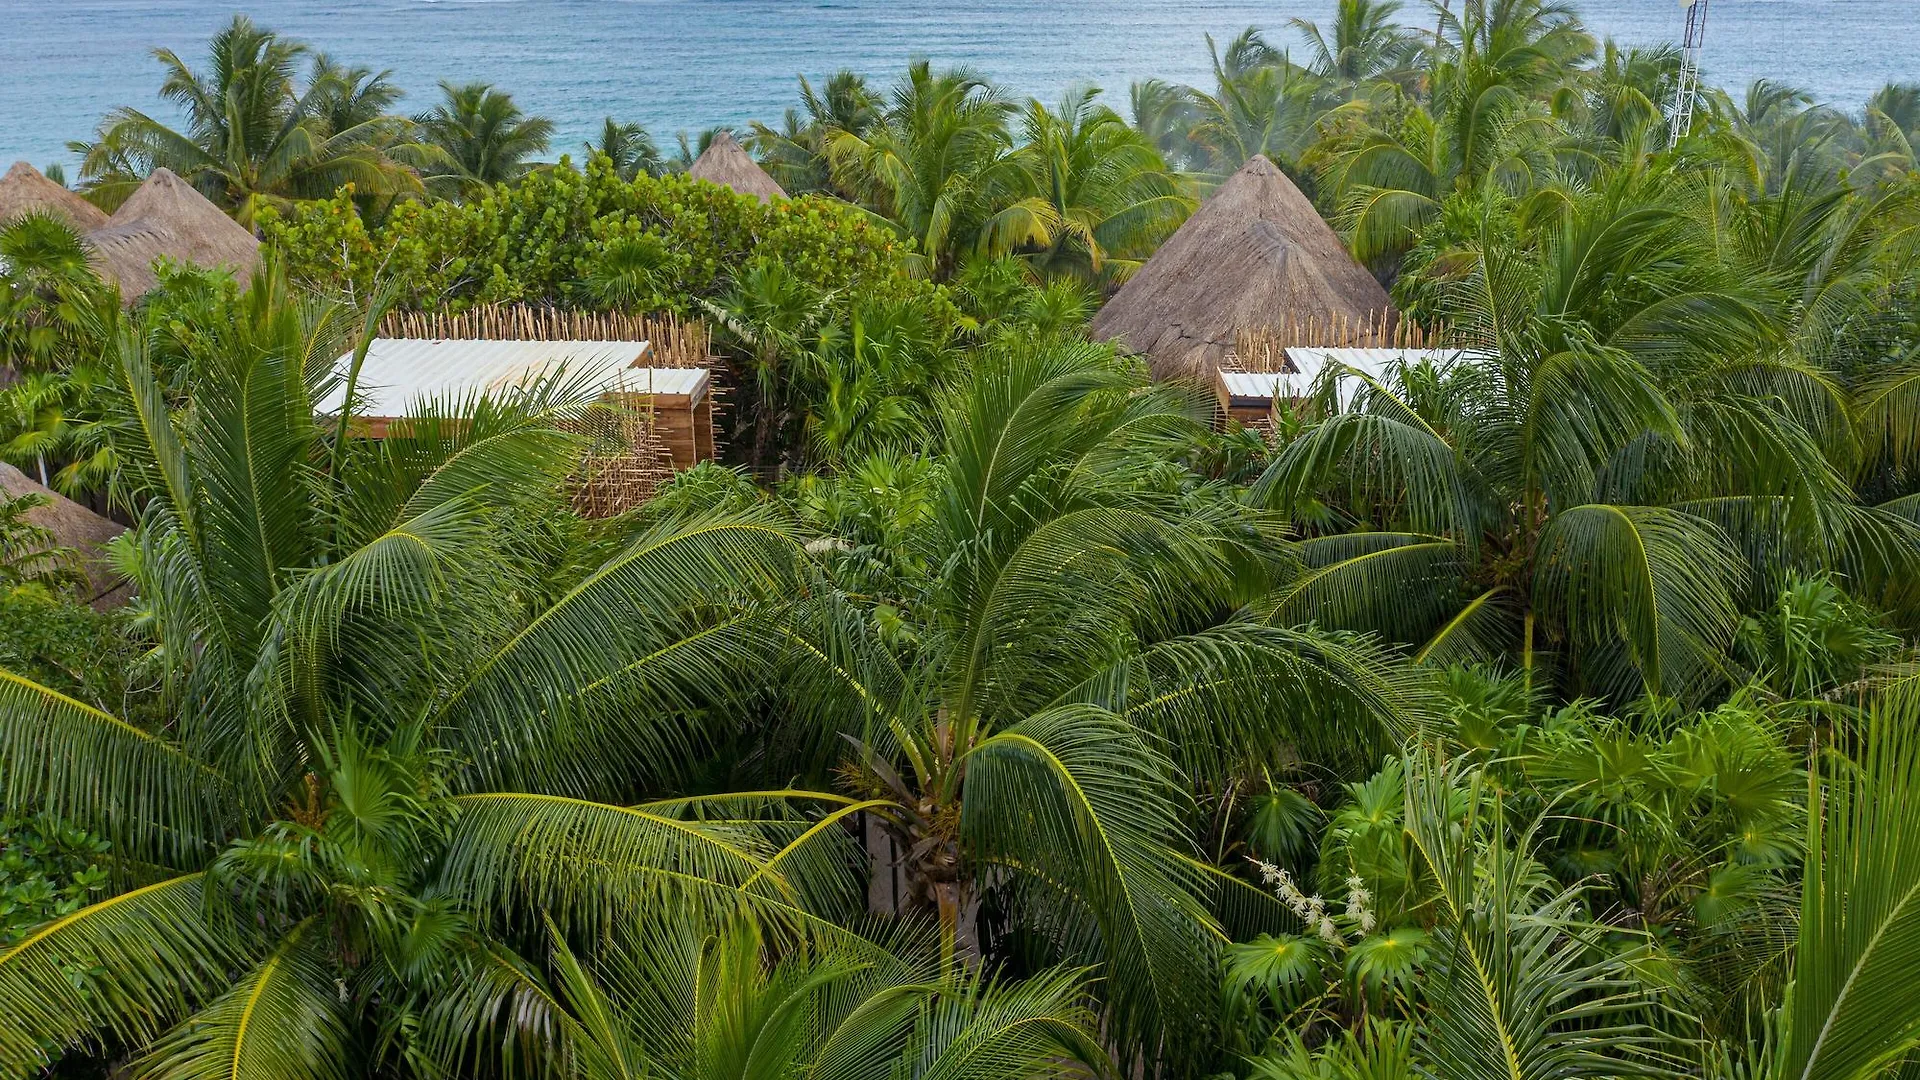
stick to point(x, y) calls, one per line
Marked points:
point(47, 870)
point(559, 235)
point(63, 644)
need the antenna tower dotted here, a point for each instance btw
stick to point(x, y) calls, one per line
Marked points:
point(1687, 88)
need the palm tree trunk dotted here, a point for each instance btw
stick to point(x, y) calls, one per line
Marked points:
point(766, 464)
point(959, 919)
point(1526, 649)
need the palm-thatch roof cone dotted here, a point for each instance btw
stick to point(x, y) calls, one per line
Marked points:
point(165, 216)
point(1256, 255)
point(23, 191)
point(723, 162)
point(73, 526)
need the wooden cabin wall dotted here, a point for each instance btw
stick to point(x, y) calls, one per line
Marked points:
point(685, 428)
point(703, 449)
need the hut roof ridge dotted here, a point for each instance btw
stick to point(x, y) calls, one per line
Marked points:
point(1256, 254)
point(726, 163)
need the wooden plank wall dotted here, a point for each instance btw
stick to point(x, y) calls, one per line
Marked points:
point(684, 425)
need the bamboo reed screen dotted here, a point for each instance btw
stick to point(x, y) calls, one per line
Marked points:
point(677, 342)
point(1265, 348)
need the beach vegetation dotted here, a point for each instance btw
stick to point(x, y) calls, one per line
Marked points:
point(1542, 707)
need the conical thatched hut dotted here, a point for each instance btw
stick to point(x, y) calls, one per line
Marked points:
point(167, 217)
point(73, 526)
point(24, 191)
point(1256, 255)
point(723, 162)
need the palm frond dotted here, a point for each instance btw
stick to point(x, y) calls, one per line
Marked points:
point(151, 798)
point(1853, 1009)
point(1519, 986)
point(126, 968)
point(1074, 795)
point(1652, 580)
point(284, 1018)
point(677, 581)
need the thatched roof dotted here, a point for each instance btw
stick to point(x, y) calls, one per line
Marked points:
point(723, 162)
point(165, 216)
point(73, 526)
point(24, 191)
point(1255, 255)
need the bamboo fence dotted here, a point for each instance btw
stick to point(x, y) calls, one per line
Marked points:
point(676, 342)
point(1265, 348)
point(625, 463)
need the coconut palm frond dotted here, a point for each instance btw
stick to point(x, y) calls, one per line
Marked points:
point(152, 798)
point(1654, 581)
point(667, 585)
point(126, 968)
point(1074, 795)
point(283, 1018)
point(1853, 1007)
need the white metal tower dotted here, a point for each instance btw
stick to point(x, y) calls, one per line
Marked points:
point(1687, 87)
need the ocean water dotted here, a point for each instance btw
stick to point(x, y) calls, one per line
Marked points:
point(687, 64)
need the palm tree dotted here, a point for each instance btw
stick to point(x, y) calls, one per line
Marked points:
point(1585, 470)
point(938, 163)
point(1076, 624)
point(1262, 103)
point(1779, 136)
point(253, 136)
point(631, 150)
point(350, 97)
point(775, 317)
point(1487, 125)
point(1165, 113)
point(1884, 150)
point(1097, 198)
point(52, 308)
point(797, 155)
point(1624, 97)
point(381, 720)
point(1365, 45)
point(482, 137)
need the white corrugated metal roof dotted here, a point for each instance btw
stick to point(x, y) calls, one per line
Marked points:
point(401, 371)
point(1309, 361)
point(1265, 384)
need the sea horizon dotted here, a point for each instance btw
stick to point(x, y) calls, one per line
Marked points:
point(685, 65)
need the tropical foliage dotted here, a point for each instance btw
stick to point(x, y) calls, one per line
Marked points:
point(1542, 708)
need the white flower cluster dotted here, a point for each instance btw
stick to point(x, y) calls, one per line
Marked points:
point(1311, 909)
point(1357, 900)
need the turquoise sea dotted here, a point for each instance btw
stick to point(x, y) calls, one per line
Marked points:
point(687, 64)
